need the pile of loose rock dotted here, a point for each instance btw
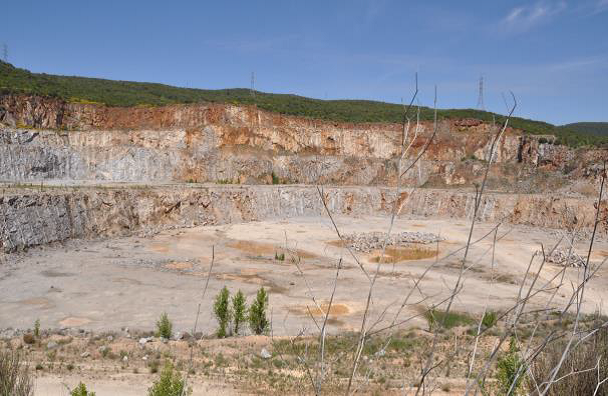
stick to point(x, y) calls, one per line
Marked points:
point(566, 259)
point(366, 242)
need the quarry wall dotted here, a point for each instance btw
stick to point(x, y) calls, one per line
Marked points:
point(30, 218)
point(47, 138)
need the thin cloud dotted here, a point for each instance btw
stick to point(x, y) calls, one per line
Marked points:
point(601, 6)
point(526, 17)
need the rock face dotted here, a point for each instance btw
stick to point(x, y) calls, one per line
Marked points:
point(50, 139)
point(53, 139)
point(35, 218)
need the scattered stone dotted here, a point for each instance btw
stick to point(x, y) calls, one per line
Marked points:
point(366, 242)
point(144, 340)
point(110, 338)
point(264, 354)
point(51, 345)
point(566, 258)
point(125, 358)
point(103, 349)
point(85, 354)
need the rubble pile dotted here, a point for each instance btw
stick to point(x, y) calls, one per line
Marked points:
point(566, 258)
point(366, 242)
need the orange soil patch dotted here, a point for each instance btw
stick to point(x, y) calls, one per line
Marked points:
point(335, 310)
point(160, 248)
point(43, 302)
point(73, 321)
point(395, 255)
point(261, 248)
point(337, 243)
point(178, 265)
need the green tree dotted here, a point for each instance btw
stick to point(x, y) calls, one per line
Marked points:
point(257, 313)
point(170, 383)
point(221, 309)
point(164, 327)
point(81, 390)
point(239, 310)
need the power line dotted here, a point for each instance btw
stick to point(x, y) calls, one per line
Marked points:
point(480, 104)
point(253, 84)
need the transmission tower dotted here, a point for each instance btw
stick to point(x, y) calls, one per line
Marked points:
point(5, 52)
point(253, 84)
point(480, 104)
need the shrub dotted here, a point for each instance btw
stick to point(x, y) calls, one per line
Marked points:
point(507, 367)
point(275, 179)
point(279, 256)
point(581, 357)
point(164, 327)
point(15, 377)
point(81, 390)
point(170, 383)
point(37, 328)
point(489, 319)
point(257, 313)
point(239, 310)
point(221, 309)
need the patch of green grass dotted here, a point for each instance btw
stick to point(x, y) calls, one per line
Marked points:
point(447, 320)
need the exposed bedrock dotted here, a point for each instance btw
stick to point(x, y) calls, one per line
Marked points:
point(35, 218)
point(52, 139)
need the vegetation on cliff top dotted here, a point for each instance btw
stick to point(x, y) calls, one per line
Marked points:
point(588, 128)
point(128, 93)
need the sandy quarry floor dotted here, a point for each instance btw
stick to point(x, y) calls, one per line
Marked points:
point(107, 285)
point(129, 282)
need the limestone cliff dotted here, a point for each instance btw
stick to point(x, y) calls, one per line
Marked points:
point(47, 138)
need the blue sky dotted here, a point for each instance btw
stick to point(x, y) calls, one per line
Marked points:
point(553, 54)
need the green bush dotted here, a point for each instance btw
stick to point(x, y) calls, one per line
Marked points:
point(279, 256)
point(170, 383)
point(489, 319)
point(15, 377)
point(507, 367)
point(223, 314)
point(275, 179)
point(81, 390)
point(164, 327)
point(239, 310)
point(258, 322)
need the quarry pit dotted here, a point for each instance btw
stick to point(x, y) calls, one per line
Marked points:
point(111, 216)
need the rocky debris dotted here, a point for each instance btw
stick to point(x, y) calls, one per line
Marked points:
point(85, 354)
point(566, 258)
point(366, 242)
point(264, 354)
point(51, 345)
